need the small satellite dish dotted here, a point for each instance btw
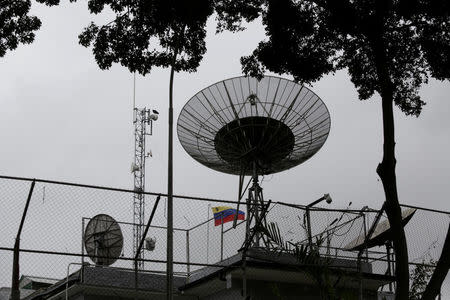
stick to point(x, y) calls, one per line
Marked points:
point(103, 240)
point(150, 243)
point(381, 234)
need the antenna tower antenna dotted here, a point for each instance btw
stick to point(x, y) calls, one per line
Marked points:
point(143, 125)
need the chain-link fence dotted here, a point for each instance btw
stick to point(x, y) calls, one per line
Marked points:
point(52, 247)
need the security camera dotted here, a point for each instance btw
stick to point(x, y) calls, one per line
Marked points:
point(155, 112)
point(328, 198)
point(153, 117)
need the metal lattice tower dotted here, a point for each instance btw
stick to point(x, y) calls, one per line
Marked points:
point(142, 127)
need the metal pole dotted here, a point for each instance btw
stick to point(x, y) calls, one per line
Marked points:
point(169, 268)
point(207, 236)
point(15, 293)
point(388, 256)
point(249, 213)
point(135, 279)
point(366, 239)
point(244, 276)
point(328, 242)
point(82, 244)
point(138, 250)
point(221, 240)
point(188, 265)
point(141, 243)
point(365, 234)
point(255, 201)
point(308, 224)
point(360, 285)
point(308, 217)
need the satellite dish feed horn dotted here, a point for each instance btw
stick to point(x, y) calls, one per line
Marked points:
point(134, 167)
point(103, 240)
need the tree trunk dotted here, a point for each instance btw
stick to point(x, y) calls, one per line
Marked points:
point(440, 272)
point(386, 171)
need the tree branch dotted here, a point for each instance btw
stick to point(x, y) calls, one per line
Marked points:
point(440, 272)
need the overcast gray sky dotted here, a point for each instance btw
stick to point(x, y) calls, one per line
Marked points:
point(62, 118)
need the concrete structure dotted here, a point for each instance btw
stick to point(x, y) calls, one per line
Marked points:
point(28, 285)
point(267, 275)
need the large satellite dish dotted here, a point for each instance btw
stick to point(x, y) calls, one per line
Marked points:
point(251, 127)
point(242, 125)
point(103, 240)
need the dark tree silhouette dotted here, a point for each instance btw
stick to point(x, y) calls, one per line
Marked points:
point(146, 34)
point(434, 285)
point(16, 25)
point(389, 47)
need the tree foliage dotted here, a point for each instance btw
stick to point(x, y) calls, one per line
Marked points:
point(309, 259)
point(231, 13)
point(144, 34)
point(318, 37)
point(420, 276)
point(389, 47)
point(16, 25)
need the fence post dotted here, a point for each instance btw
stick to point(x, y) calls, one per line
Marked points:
point(82, 240)
point(15, 293)
point(308, 224)
point(82, 249)
point(188, 265)
point(360, 283)
point(221, 239)
point(207, 235)
point(365, 235)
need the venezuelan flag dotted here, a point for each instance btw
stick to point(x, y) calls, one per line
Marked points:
point(224, 214)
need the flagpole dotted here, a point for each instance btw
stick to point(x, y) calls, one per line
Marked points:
point(221, 240)
point(207, 235)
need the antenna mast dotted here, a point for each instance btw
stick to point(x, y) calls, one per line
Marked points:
point(138, 169)
point(143, 125)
